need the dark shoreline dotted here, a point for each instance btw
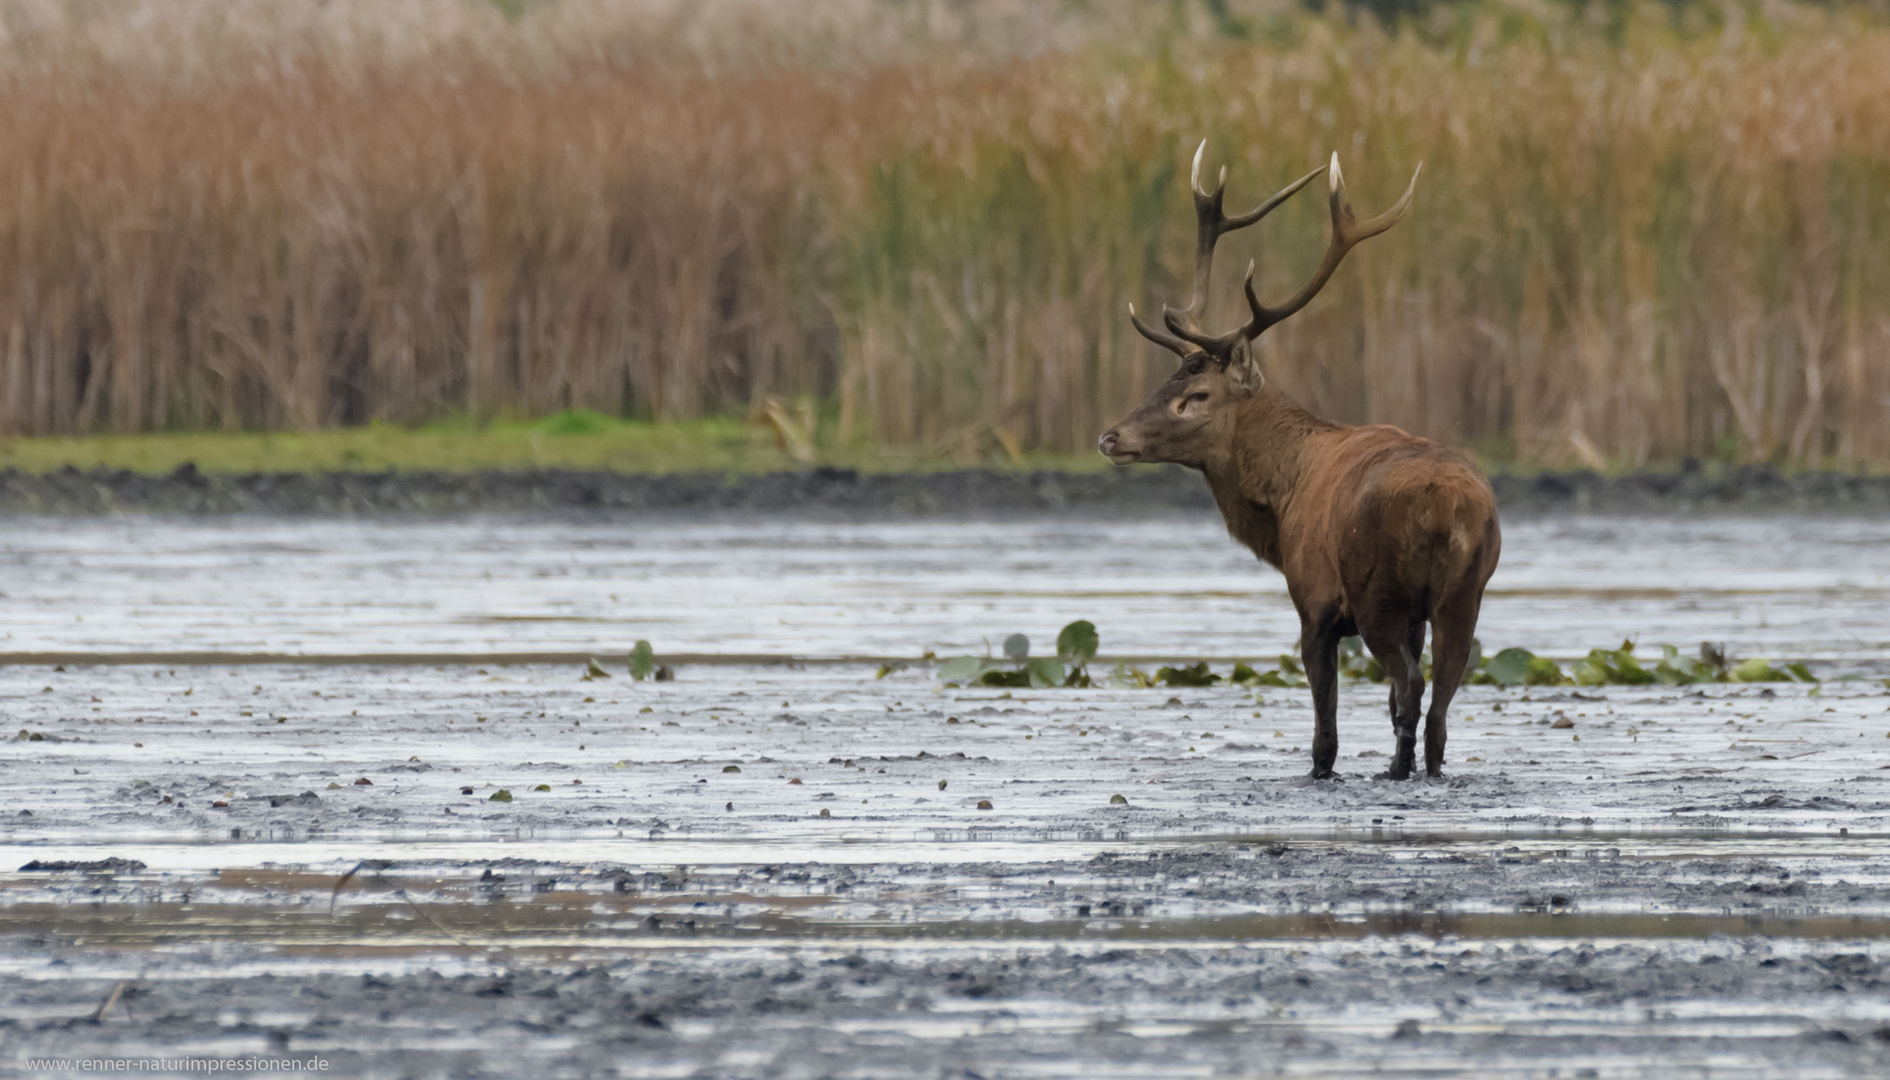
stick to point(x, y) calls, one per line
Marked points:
point(844, 492)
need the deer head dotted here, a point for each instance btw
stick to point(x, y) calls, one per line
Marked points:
point(1192, 415)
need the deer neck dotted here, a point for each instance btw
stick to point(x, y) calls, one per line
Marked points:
point(1258, 473)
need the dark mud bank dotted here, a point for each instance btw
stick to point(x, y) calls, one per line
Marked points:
point(1757, 488)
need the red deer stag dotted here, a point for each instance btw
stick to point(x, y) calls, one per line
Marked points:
point(1376, 530)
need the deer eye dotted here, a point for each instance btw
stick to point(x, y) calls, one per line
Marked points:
point(1198, 395)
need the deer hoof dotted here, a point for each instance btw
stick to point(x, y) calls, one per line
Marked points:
point(1396, 772)
point(1325, 774)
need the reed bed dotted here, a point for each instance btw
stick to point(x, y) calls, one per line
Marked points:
point(1636, 239)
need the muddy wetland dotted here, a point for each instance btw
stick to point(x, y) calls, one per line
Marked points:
point(351, 791)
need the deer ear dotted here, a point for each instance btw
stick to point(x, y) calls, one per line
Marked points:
point(1243, 370)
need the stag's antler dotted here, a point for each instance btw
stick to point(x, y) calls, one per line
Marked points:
point(1211, 223)
point(1347, 232)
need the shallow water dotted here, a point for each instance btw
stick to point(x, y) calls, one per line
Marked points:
point(1696, 875)
point(1784, 586)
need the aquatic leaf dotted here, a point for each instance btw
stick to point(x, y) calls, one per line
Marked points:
point(1758, 669)
point(1196, 674)
point(1677, 670)
point(960, 670)
point(1133, 678)
point(1289, 664)
point(500, 795)
point(1591, 672)
point(1045, 672)
point(1017, 679)
point(1627, 670)
point(1510, 667)
point(1602, 667)
point(1244, 675)
point(984, 804)
point(1802, 673)
point(642, 661)
point(364, 782)
point(595, 671)
point(542, 787)
point(941, 785)
point(731, 768)
point(1117, 800)
point(1077, 643)
point(1017, 647)
point(824, 812)
point(620, 764)
point(1544, 672)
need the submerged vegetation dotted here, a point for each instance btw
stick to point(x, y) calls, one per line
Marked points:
point(1646, 230)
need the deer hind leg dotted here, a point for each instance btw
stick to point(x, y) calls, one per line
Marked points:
point(1319, 652)
point(1453, 624)
point(1397, 642)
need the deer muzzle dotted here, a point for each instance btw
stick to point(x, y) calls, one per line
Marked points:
point(1117, 449)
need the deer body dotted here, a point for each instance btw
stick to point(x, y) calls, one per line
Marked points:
point(1377, 532)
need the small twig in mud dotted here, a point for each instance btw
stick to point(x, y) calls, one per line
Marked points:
point(98, 1015)
point(339, 882)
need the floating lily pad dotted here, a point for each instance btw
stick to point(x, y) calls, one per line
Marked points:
point(500, 795)
point(1045, 672)
point(642, 661)
point(1520, 667)
point(1077, 643)
point(1758, 669)
point(1017, 647)
point(960, 670)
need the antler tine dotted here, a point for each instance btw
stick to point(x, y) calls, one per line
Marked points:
point(1347, 233)
point(1167, 341)
point(1211, 223)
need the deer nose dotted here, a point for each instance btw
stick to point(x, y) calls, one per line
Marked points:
point(1107, 444)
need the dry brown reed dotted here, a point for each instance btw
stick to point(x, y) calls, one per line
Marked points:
point(1631, 243)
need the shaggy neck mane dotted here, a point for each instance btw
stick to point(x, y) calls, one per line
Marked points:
point(1257, 476)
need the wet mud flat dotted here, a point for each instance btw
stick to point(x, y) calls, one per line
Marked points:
point(1747, 488)
point(778, 865)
